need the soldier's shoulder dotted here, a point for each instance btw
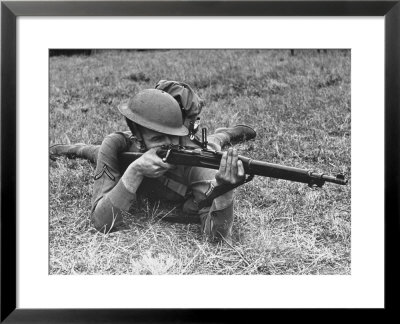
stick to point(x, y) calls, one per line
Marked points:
point(118, 139)
point(118, 136)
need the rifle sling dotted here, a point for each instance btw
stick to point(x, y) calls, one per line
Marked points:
point(215, 192)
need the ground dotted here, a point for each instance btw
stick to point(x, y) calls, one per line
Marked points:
point(300, 107)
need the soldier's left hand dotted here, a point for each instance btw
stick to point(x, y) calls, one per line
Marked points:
point(231, 170)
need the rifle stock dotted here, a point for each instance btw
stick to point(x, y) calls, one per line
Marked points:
point(211, 159)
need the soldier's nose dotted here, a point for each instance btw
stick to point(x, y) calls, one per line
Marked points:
point(168, 140)
point(174, 140)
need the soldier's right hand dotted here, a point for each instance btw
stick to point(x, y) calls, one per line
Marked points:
point(151, 165)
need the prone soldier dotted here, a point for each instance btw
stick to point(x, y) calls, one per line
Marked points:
point(155, 118)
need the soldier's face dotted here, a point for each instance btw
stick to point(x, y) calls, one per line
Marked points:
point(154, 139)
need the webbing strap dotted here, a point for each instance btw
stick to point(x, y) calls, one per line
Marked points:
point(173, 185)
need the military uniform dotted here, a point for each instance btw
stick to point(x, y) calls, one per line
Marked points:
point(184, 186)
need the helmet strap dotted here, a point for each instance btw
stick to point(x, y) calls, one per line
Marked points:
point(139, 137)
point(135, 129)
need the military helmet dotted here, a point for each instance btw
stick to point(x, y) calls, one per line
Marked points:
point(157, 110)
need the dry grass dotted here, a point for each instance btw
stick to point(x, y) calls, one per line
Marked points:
point(300, 106)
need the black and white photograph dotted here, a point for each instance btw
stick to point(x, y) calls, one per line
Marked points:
point(200, 161)
point(193, 161)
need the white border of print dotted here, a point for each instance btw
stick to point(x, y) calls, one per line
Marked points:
point(363, 288)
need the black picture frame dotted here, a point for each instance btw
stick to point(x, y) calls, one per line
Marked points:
point(11, 10)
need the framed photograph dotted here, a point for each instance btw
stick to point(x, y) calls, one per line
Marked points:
point(287, 168)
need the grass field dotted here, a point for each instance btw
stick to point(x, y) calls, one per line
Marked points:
point(300, 107)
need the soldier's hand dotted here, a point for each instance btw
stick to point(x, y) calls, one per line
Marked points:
point(151, 165)
point(231, 170)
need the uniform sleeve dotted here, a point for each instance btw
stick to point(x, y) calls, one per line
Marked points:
point(216, 219)
point(110, 197)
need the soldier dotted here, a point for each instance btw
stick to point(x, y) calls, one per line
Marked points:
point(155, 118)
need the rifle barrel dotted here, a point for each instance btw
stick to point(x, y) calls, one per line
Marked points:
point(272, 170)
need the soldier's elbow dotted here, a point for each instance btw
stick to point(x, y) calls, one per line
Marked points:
point(100, 225)
point(104, 223)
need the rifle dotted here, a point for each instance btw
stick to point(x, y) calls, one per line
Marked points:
point(206, 158)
